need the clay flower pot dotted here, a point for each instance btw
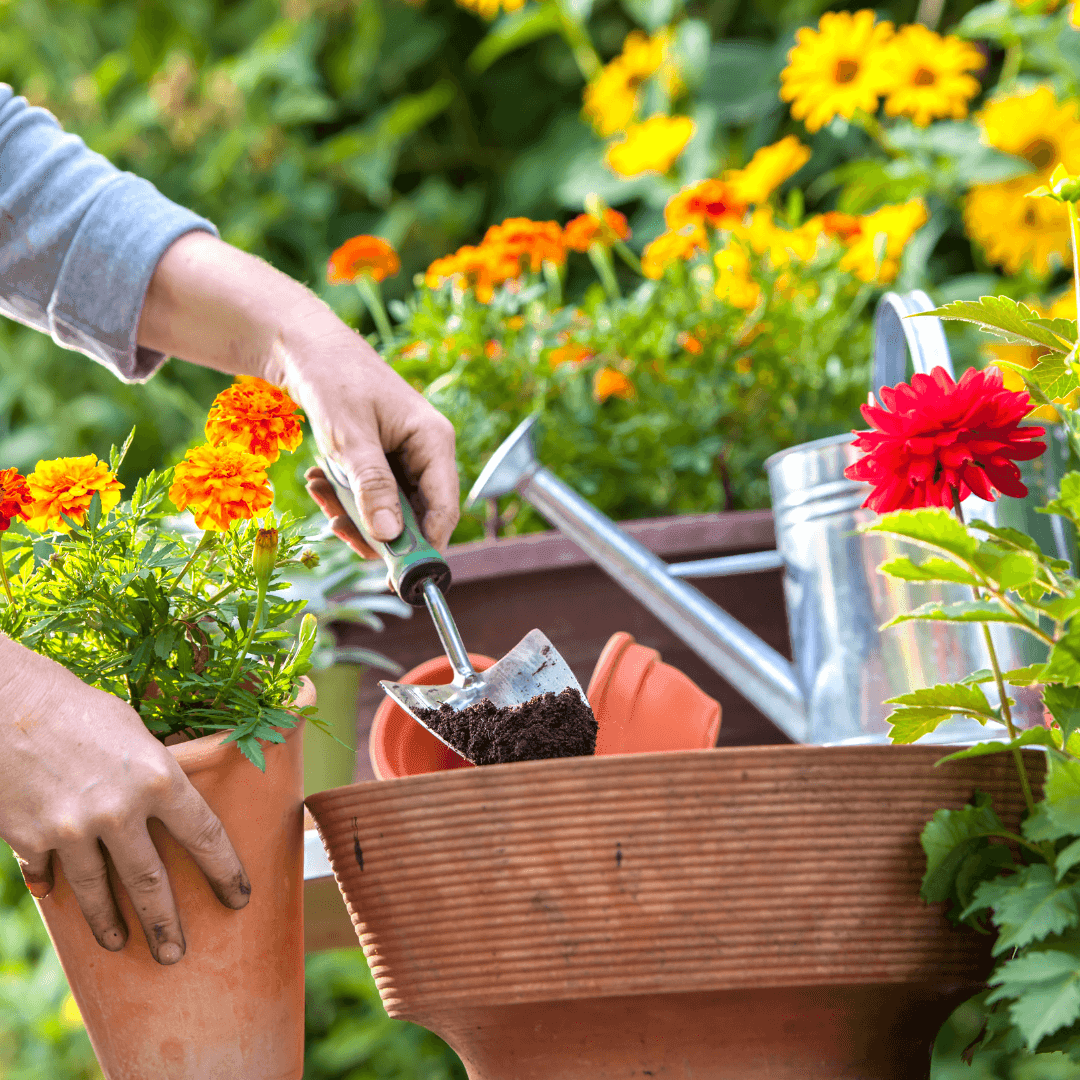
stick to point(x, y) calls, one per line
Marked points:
point(233, 1008)
point(630, 686)
point(736, 914)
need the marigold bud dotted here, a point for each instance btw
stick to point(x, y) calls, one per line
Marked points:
point(264, 554)
point(310, 558)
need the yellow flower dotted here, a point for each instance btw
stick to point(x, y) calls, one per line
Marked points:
point(613, 98)
point(767, 170)
point(221, 484)
point(1015, 231)
point(670, 247)
point(708, 202)
point(257, 416)
point(898, 224)
point(928, 75)
point(836, 69)
point(780, 244)
point(67, 486)
point(488, 9)
point(650, 147)
point(608, 382)
point(734, 282)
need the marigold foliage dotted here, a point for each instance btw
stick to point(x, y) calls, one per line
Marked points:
point(221, 485)
point(257, 416)
point(67, 486)
point(369, 255)
point(652, 146)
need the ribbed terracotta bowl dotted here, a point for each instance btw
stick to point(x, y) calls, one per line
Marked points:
point(733, 912)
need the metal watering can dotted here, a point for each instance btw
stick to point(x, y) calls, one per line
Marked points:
point(845, 666)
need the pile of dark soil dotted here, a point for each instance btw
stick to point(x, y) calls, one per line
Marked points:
point(547, 726)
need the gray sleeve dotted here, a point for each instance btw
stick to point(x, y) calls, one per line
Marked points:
point(79, 240)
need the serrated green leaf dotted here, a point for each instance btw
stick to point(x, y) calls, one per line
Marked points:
point(1063, 663)
point(1005, 318)
point(1025, 676)
point(116, 457)
point(1028, 906)
point(949, 696)
point(1064, 705)
point(1045, 988)
point(933, 528)
point(910, 725)
point(981, 676)
point(963, 611)
point(933, 569)
point(948, 838)
point(1067, 858)
point(1067, 503)
point(1037, 736)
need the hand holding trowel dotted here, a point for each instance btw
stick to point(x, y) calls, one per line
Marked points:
point(420, 576)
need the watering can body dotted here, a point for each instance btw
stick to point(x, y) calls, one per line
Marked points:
point(845, 665)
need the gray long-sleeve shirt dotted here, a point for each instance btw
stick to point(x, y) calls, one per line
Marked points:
point(79, 240)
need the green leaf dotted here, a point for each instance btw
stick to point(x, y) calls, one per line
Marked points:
point(1064, 705)
point(910, 725)
point(1045, 988)
point(1036, 736)
point(964, 611)
point(93, 513)
point(933, 569)
point(116, 457)
point(948, 838)
point(1063, 663)
point(932, 528)
point(1067, 858)
point(1062, 779)
point(948, 695)
point(1005, 318)
point(1025, 676)
point(513, 31)
point(1067, 504)
point(1028, 906)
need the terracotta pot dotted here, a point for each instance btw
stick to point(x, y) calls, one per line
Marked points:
point(736, 914)
point(629, 688)
point(233, 1008)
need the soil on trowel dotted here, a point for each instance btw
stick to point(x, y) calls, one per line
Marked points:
point(547, 726)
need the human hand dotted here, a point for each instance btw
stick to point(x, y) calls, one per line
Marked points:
point(79, 776)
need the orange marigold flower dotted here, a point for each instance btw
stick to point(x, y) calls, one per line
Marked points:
point(669, 247)
point(493, 350)
point(690, 344)
point(220, 485)
point(844, 227)
point(611, 383)
point(257, 416)
point(572, 353)
point(479, 268)
point(711, 202)
point(541, 241)
point(67, 486)
point(362, 255)
point(15, 497)
point(585, 230)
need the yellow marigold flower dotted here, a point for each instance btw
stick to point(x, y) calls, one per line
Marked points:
point(651, 146)
point(540, 241)
point(843, 227)
point(1013, 230)
point(670, 247)
point(612, 99)
point(710, 202)
point(928, 75)
point(488, 9)
point(257, 416)
point(780, 244)
point(734, 282)
point(362, 255)
point(220, 485)
point(836, 69)
point(898, 223)
point(767, 170)
point(608, 382)
point(67, 486)
point(582, 232)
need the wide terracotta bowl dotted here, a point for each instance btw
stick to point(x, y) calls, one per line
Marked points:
point(739, 914)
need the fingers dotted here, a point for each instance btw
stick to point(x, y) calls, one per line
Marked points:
point(84, 867)
point(322, 491)
point(430, 456)
point(37, 873)
point(375, 489)
point(194, 825)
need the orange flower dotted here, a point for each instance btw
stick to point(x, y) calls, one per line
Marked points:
point(493, 350)
point(362, 255)
point(256, 416)
point(844, 227)
point(690, 344)
point(611, 383)
point(573, 353)
point(541, 241)
point(15, 497)
point(712, 202)
point(479, 268)
point(221, 484)
point(585, 230)
point(67, 486)
point(669, 247)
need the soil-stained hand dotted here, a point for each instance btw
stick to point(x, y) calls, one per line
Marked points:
point(79, 777)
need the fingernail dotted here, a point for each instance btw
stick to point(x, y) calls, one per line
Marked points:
point(385, 525)
point(169, 953)
point(114, 940)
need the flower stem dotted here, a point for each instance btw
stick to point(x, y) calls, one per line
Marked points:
point(1074, 229)
point(4, 576)
point(628, 257)
point(600, 257)
point(207, 539)
point(260, 603)
point(372, 297)
point(581, 47)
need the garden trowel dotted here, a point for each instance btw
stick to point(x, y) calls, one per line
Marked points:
point(420, 576)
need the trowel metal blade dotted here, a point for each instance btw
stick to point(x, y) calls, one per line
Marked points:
point(531, 667)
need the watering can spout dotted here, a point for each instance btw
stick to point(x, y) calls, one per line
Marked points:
point(758, 671)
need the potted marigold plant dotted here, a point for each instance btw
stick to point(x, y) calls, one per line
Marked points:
point(187, 626)
point(932, 444)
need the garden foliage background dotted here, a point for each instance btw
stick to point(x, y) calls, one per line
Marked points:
point(296, 124)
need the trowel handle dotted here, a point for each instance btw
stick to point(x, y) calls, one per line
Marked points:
point(410, 559)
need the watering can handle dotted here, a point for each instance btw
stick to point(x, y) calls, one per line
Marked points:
point(895, 335)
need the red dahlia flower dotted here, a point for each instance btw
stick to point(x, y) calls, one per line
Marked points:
point(15, 498)
point(936, 436)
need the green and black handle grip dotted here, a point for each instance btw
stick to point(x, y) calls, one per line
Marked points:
point(410, 559)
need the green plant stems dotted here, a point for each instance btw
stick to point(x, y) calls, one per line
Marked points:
point(206, 540)
point(628, 257)
point(1074, 230)
point(4, 576)
point(260, 603)
point(577, 37)
point(553, 280)
point(600, 257)
point(371, 294)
